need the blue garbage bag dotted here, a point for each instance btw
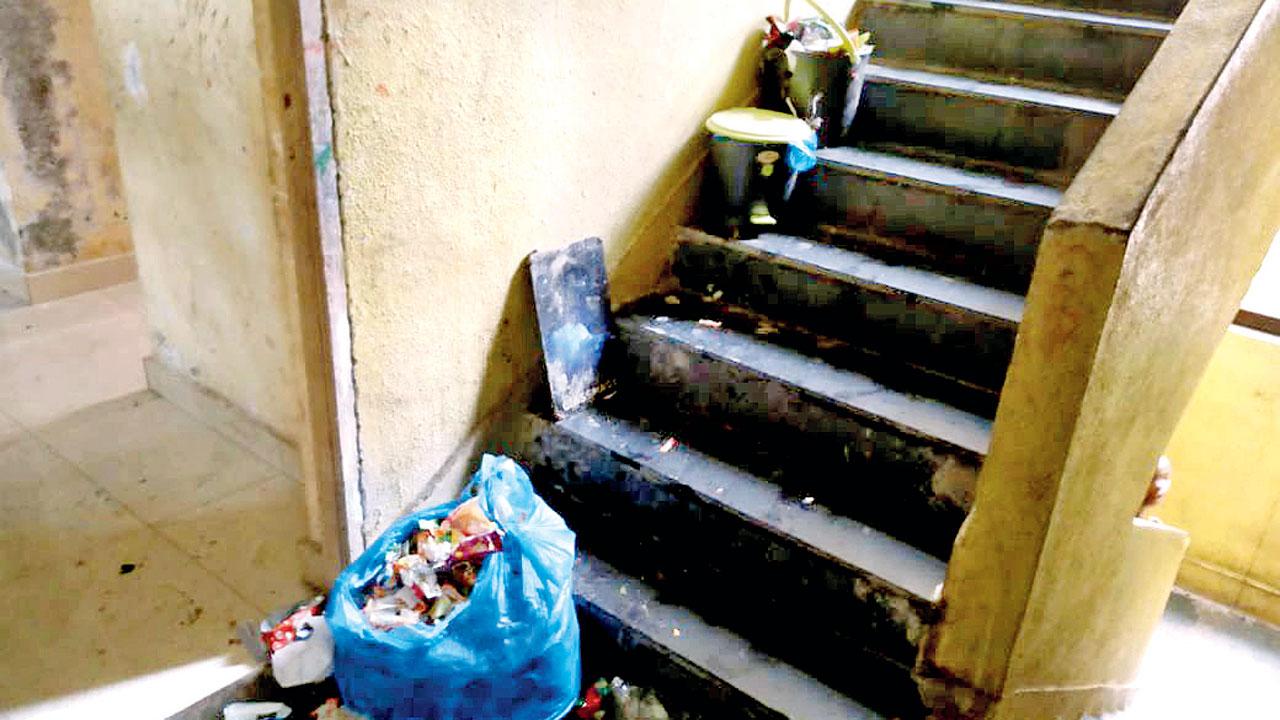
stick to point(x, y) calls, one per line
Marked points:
point(510, 653)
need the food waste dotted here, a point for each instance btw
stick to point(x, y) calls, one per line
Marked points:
point(431, 574)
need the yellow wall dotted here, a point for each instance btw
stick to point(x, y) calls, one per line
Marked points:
point(184, 80)
point(1226, 489)
point(469, 134)
point(59, 179)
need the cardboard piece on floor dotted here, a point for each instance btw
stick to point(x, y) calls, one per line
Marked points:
point(571, 297)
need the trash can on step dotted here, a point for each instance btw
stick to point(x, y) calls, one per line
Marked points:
point(757, 155)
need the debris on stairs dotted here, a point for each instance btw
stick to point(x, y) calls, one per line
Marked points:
point(777, 459)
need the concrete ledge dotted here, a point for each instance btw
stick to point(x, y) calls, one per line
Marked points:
point(222, 415)
point(1113, 186)
point(80, 277)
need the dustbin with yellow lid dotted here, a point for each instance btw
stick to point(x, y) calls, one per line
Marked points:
point(758, 155)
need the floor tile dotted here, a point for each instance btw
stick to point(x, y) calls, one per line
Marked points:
point(126, 295)
point(152, 457)
point(81, 625)
point(1207, 662)
point(250, 539)
point(46, 377)
point(9, 301)
point(50, 514)
point(160, 694)
point(9, 428)
point(19, 324)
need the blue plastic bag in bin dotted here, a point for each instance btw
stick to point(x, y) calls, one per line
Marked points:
point(510, 653)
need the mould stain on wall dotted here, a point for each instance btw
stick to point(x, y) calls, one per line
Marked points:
point(30, 72)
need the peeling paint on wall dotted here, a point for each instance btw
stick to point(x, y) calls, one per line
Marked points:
point(26, 48)
point(131, 62)
point(57, 145)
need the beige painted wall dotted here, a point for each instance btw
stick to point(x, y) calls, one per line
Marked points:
point(1226, 489)
point(469, 134)
point(184, 81)
point(60, 196)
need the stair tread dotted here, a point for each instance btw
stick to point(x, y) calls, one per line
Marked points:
point(937, 174)
point(859, 393)
point(831, 259)
point(761, 502)
point(1017, 93)
point(1124, 22)
point(714, 650)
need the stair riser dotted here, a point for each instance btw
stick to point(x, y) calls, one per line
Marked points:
point(969, 235)
point(1098, 59)
point(764, 586)
point(613, 648)
point(969, 346)
point(914, 488)
point(1166, 10)
point(1049, 144)
point(610, 643)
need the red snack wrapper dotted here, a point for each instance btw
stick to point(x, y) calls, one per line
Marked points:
point(287, 630)
point(474, 549)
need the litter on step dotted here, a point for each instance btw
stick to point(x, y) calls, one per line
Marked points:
point(617, 700)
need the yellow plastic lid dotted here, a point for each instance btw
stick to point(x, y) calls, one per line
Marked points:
point(754, 125)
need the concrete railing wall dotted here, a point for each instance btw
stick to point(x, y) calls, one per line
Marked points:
point(1053, 590)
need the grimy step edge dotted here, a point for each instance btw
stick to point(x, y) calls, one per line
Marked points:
point(709, 535)
point(1041, 135)
point(963, 222)
point(848, 353)
point(697, 668)
point(906, 464)
point(1070, 50)
point(942, 322)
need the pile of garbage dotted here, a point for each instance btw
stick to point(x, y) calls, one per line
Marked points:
point(430, 575)
point(513, 654)
point(332, 709)
point(815, 35)
point(617, 700)
point(813, 68)
point(299, 643)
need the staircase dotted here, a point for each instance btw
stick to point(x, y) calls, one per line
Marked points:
point(831, 391)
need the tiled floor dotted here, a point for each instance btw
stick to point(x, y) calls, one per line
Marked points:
point(132, 537)
point(1207, 662)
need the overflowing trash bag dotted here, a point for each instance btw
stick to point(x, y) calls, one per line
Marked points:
point(510, 651)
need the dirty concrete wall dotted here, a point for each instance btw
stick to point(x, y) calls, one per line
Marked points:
point(184, 81)
point(469, 134)
point(60, 196)
point(1226, 489)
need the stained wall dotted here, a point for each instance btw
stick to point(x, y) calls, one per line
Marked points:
point(469, 134)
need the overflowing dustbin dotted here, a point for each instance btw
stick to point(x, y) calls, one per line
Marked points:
point(757, 155)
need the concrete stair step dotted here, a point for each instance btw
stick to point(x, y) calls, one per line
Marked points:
point(943, 323)
point(1089, 52)
point(973, 224)
point(893, 372)
point(1041, 135)
point(700, 670)
point(735, 549)
point(912, 462)
point(1167, 10)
